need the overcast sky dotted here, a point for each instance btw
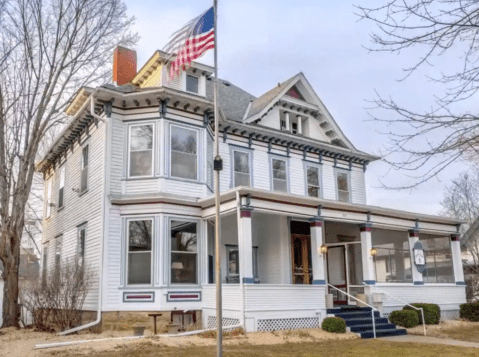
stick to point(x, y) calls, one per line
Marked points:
point(261, 43)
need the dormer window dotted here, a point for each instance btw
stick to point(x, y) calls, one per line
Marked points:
point(283, 124)
point(294, 128)
point(192, 83)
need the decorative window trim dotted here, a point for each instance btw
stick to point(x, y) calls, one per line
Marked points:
point(286, 160)
point(248, 151)
point(199, 152)
point(167, 256)
point(61, 203)
point(127, 245)
point(83, 167)
point(320, 178)
point(153, 150)
point(338, 170)
point(80, 228)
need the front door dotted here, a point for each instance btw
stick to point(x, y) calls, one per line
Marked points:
point(301, 252)
point(337, 273)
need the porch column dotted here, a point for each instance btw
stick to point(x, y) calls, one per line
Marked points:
point(369, 276)
point(457, 260)
point(245, 245)
point(317, 257)
point(416, 274)
point(286, 118)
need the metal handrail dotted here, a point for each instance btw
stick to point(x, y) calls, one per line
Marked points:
point(355, 298)
point(414, 307)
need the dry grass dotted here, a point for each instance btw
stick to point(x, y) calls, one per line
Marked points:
point(454, 330)
point(364, 348)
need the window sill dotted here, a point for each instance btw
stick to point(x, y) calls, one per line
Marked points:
point(82, 193)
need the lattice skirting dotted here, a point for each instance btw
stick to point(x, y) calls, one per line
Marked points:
point(447, 315)
point(227, 321)
point(287, 324)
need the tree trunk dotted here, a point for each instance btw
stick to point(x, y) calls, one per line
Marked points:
point(11, 290)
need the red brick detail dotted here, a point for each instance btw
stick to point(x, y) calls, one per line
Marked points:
point(365, 229)
point(316, 224)
point(454, 237)
point(245, 214)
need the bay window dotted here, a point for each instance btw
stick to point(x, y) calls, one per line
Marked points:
point(184, 252)
point(184, 153)
point(139, 234)
point(279, 175)
point(141, 150)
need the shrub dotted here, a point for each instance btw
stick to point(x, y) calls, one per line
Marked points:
point(432, 312)
point(334, 324)
point(404, 318)
point(470, 311)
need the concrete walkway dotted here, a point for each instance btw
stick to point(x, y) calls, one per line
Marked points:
point(430, 340)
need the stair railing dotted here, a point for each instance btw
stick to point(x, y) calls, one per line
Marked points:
point(414, 307)
point(363, 302)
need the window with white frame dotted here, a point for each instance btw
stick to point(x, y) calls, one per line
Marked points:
point(84, 169)
point(192, 83)
point(58, 256)
point(280, 175)
point(184, 252)
point(232, 256)
point(49, 198)
point(139, 251)
point(81, 246)
point(241, 168)
point(44, 264)
point(61, 191)
point(342, 184)
point(313, 179)
point(141, 150)
point(184, 153)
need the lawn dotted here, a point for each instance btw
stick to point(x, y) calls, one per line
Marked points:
point(454, 330)
point(304, 349)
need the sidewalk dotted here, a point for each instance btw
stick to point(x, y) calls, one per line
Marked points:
point(430, 340)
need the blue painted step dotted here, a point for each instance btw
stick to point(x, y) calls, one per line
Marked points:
point(366, 321)
point(384, 333)
point(366, 328)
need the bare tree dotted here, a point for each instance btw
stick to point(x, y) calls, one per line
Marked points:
point(429, 141)
point(48, 49)
point(461, 201)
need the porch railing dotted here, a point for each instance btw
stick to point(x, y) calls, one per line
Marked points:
point(363, 302)
point(414, 307)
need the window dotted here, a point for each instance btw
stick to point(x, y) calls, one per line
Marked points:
point(313, 181)
point(61, 191)
point(49, 198)
point(192, 83)
point(232, 255)
point(141, 150)
point(283, 124)
point(294, 127)
point(81, 247)
point(58, 256)
point(139, 251)
point(184, 148)
point(44, 264)
point(241, 169)
point(342, 183)
point(280, 178)
point(439, 268)
point(184, 252)
point(84, 170)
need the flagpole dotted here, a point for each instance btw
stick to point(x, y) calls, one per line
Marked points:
point(218, 166)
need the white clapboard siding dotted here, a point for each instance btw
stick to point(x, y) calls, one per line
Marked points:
point(449, 297)
point(329, 182)
point(225, 175)
point(185, 188)
point(231, 294)
point(79, 209)
point(112, 297)
point(358, 186)
point(259, 298)
point(296, 175)
point(142, 186)
point(261, 169)
point(116, 156)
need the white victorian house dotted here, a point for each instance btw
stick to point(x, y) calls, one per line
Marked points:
point(129, 192)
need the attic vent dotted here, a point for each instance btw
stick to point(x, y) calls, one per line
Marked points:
point(227, 83)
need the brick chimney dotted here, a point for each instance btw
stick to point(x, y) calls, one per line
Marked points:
point(124, 65)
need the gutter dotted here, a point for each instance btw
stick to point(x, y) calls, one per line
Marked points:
point(102, 230)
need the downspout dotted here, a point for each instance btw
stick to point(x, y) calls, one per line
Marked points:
point(238, 213)
point(102, 238)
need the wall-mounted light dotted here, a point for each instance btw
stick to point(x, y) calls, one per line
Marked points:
point(374, 251)
point(323, 249)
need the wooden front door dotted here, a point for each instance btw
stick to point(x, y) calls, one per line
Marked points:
point(301, 253)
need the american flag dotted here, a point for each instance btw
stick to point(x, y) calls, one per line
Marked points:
point(191, 41)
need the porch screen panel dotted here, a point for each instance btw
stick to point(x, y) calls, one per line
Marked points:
point(439, 268)
point(139, 251)
point(184, 252)
point(393, 259)
point(184, 153)
point(141, 150)
point(280, 178)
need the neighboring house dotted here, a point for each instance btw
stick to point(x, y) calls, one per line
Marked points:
point(129, 192)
